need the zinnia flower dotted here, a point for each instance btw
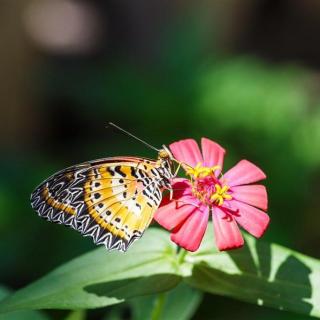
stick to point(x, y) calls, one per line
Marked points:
point(231, 198)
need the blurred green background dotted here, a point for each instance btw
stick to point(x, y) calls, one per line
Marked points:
point(245, 74)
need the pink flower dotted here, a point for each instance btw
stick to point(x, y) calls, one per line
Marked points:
point(231, 198)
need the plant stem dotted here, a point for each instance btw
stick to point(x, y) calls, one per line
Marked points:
point(181, 255)
point(159, 304)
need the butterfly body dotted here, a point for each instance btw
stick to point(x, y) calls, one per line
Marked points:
point(111, 200)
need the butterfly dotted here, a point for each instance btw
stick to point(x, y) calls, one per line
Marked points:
point(111, 200)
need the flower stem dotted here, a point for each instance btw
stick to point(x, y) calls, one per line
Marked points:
point(181, 255)
point(158, 308)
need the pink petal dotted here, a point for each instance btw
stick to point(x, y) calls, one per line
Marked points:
point(186, 151)
point(213, 153)
point(181, 187)
point(244, 172)
point(227, 233)
point(174, 213)
point(251, 219)
point(191, 232)
point(255, 195)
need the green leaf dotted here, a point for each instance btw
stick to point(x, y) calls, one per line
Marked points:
point(260, 273)
point(102, 278)
point(20, 315)
point(179, 303)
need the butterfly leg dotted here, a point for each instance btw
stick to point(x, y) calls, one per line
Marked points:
point(171, 193)
point(177, 170)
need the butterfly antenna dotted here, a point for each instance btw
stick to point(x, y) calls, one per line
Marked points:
point(133, 136)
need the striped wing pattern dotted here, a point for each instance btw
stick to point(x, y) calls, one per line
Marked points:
point(110, 200)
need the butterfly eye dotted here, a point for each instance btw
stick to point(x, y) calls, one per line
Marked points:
point(163, 154)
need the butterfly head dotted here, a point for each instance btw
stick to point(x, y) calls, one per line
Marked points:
point(165, 154)
point(166, 168)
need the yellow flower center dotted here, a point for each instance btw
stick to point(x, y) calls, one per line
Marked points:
point(206, 186)
point(201, 172)
point(221, 194)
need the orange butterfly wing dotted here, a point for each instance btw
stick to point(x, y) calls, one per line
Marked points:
point(111, 200)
